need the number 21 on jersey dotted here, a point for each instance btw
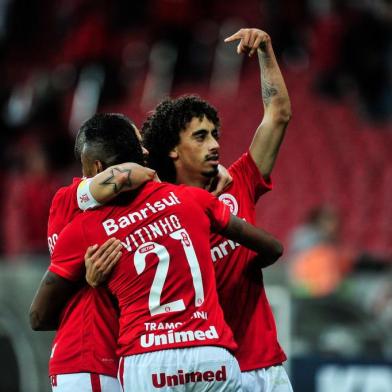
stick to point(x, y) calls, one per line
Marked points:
point(154, 300)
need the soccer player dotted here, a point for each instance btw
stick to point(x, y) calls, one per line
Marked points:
point(81, 359)
point(83, 354)
point(172, 330)
point(182, 138)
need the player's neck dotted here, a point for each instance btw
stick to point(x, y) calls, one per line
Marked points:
point(192, 180)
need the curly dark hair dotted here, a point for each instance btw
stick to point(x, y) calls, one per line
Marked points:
point(161, 130)
point(111, 138)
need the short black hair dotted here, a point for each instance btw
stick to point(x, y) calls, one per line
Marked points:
point(111, 139)
point(161, 130)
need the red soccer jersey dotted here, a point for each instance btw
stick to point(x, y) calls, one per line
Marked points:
point(241, 291)
point(165, 280)
point(86, 339)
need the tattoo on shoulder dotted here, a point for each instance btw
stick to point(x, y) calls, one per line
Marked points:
point(114, 181)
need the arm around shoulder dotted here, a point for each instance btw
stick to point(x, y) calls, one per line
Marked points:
point(268, 248)
point(118, 178)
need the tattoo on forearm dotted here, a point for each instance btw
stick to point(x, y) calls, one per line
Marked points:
point(111, 180)
point(268, 89)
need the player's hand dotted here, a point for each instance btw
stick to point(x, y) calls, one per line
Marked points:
point(250, 40)
point(100, 260)
point(222, 180)
point(156, 178)
point(138, 175)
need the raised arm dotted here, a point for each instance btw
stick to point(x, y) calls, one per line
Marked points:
point(277, 108)
point(265, 244)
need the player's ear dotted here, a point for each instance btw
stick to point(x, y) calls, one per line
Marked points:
point(98, 167)
point(173, 154)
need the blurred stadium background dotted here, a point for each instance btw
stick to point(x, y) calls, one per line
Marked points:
point(61, 61)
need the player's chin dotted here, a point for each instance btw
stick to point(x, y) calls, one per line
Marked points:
point(211, 172)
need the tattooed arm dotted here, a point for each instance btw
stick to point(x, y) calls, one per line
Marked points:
point(277, 108)
point(119, 178)
point(49, 300)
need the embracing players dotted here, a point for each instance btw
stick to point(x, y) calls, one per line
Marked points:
point(172, 330)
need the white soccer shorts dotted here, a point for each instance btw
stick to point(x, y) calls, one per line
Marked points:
point(195, 369)
point(271, 379)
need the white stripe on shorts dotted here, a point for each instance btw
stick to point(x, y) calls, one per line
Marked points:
point(84, 382)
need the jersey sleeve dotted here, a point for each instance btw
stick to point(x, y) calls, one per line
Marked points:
point(85, 199)
point(63, 209)
point(246, 173)
point(217, 212)
point(67, 259)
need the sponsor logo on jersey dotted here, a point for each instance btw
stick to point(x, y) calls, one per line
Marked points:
point(161, 326)
point(171, 337)
point(111, 226)
point(147, 248)
point(180, 378)
point(230, 201)
point(223, 249)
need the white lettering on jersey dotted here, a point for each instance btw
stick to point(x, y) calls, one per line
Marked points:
point(161, 326)
point(111, 226)
point(223, 249)
point(202, 315)
point(171, 337)
point(52, 242)
point(152, 231)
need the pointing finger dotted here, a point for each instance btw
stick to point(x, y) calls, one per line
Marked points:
point(233, 37)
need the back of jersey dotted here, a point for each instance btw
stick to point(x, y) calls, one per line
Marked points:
point(165, 281)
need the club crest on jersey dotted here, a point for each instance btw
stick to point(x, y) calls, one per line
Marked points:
point(230, 201)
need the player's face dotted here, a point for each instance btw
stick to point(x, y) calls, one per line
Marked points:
point(197, 153)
